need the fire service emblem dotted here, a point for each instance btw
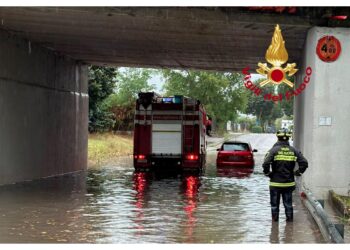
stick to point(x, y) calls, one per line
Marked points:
point(277, 55)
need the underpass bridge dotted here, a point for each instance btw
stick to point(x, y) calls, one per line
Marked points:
point(44, 54)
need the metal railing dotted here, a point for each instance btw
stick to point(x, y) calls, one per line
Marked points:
point(327, 228)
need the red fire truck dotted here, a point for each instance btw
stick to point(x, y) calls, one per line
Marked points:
point(169, 133)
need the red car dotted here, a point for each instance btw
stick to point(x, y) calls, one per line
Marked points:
point(235, 154)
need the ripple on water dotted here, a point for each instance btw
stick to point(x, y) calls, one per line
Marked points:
point(116, 205)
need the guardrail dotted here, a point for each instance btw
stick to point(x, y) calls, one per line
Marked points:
point(327, 228)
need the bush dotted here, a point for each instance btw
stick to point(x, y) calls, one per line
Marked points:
point(257, 129)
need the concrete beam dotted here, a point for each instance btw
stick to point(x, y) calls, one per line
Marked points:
point(200, 38)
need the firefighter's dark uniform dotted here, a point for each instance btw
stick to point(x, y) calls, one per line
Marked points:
point(281, 158)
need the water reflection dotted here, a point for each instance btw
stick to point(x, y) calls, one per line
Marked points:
point(149, 190)
point(190, 186)
point(45, 211)
point(116, 205)
point(141, 184)
point(234, 172)
point(281, 232)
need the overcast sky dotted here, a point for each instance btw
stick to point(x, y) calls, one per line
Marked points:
point(158, 81)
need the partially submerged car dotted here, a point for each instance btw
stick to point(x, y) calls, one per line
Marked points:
point(235, 154)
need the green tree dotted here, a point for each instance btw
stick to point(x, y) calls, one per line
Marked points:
point(121, 103)
point(286, 105)
point(221, 93)
point(131, 81)
point(101, 85)
point(266, 111)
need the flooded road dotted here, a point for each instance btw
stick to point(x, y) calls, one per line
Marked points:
point(116, 205)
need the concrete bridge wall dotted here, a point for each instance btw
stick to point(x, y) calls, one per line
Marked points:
point(327, 95)
point(44, 112)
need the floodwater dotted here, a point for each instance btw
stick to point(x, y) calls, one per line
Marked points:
point(116, 205)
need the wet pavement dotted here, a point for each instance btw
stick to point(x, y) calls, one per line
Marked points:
point(115, 205)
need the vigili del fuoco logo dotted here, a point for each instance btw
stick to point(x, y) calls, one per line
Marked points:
point(276, 74)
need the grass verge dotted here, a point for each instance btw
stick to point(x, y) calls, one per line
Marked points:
point(342, 205)
point(103, 148)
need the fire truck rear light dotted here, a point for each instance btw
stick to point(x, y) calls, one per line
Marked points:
point(140, 157)
point(339, 17)
point(192, 157)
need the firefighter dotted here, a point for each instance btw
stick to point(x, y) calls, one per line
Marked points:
point(279, 165)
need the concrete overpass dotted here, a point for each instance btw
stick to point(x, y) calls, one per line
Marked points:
point(200, 38)
point(44, 53)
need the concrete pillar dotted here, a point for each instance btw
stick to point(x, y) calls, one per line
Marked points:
point(44, 112)
point(327, 95)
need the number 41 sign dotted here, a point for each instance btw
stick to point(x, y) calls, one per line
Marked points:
point(328, 48)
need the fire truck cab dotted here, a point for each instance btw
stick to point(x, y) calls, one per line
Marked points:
point(169, 133)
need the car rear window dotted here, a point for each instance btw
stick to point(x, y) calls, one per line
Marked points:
point(236, 147)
